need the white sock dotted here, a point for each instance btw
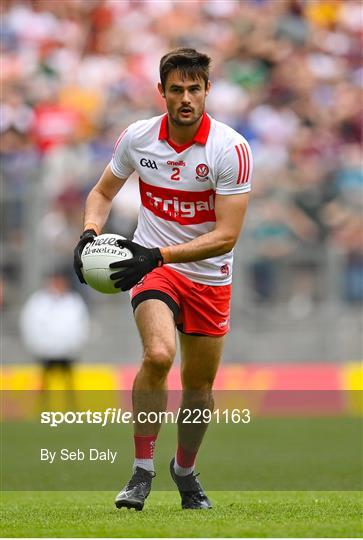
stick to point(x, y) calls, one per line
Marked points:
point(182, 471)
point(147, 464)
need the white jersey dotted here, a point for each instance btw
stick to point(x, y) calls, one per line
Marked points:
point(178, 185)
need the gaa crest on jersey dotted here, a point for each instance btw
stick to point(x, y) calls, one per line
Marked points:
point(149, 163)
point(202, 171)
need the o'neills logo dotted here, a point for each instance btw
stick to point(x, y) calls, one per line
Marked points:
point(185, 207)
point(102, 241)
point(176, 163)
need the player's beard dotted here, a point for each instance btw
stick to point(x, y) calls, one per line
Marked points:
point(183, 122)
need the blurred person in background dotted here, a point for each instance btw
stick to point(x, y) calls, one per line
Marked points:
point(343, 217)
point(55, 325)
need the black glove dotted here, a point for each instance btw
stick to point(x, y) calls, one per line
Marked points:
point(88, 236)
point(133, 270)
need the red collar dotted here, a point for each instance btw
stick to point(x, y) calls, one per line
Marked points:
point(200, 137)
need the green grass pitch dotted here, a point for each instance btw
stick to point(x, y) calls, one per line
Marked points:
point(268, 455)
point(235, 514)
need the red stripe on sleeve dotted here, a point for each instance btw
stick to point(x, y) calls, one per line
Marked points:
point(239, 164)
point(246, 165)
point(118, 140)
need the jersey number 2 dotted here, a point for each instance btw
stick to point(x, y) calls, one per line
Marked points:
point(176, 174)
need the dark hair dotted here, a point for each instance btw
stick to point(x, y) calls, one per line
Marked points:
point(189, 62)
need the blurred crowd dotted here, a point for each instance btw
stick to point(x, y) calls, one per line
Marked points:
point(286, 74)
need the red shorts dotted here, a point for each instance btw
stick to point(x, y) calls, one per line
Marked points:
point(197, 308)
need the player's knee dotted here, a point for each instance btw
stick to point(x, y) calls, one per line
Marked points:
point(192, 383)
point(158, 360)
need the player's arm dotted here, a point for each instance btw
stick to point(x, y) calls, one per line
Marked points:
point(230, 213)
point(99, 200)
point(97, 209)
